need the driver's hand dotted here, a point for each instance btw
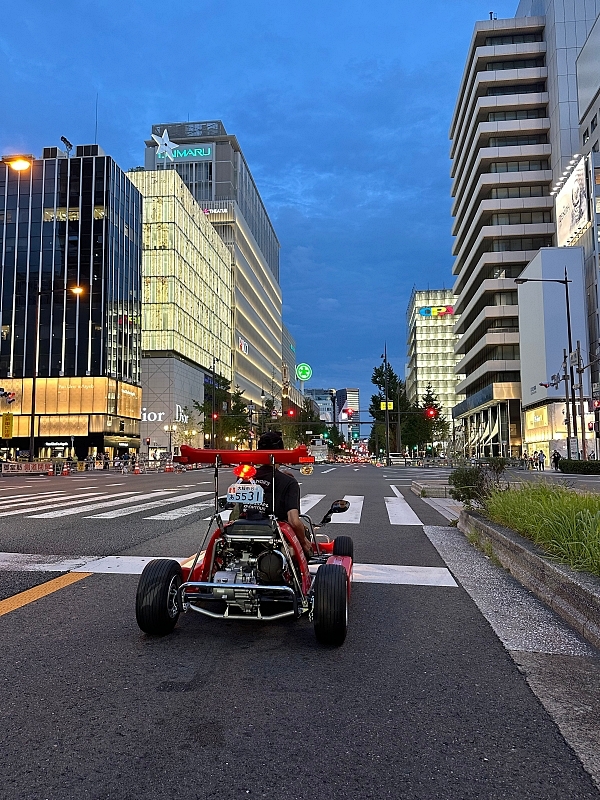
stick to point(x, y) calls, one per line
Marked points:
point(307, 547)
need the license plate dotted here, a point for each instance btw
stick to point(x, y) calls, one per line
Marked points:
point(250, 494)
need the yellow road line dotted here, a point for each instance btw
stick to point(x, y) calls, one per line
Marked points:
point(31, 595)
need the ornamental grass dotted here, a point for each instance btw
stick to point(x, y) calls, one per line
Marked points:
point(563, 522)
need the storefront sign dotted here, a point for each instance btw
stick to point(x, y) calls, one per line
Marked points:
point(180, 416)
point(7, 426)
point(436, 311)
point(152, 416)
point(304, 372)
point(243, 345)
point(167, 149)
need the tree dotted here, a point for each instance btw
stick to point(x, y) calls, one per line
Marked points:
point(187, 432)
point(396, 393)
point(232, 423)
point(308, 419)
point(438, 430)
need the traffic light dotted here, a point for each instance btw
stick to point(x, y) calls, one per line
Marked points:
point(326, 435)
point(215, 416)
point(431, 413)
point(148, 441)
point(355, 435)
point(291, 412)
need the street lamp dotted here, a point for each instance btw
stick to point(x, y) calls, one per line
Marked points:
point(77, 291)
point(18, 162)
point(170, 429)
point(387, 407)
point(565, 282)
point(213, 403)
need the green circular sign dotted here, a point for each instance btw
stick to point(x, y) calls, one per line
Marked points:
point(303, 372)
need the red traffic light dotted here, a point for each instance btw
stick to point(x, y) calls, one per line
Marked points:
point(291, 412)
point(431, 412)
point(148, 440)
point(215, 416)
point(349, 412)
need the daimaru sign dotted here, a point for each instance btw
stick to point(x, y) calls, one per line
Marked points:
point(436, 311)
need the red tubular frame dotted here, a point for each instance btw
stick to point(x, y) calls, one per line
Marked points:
point(193, 455)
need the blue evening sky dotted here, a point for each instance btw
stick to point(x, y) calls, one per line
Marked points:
point(342, 110)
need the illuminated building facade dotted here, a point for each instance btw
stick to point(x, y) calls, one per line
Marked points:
point(430, 321)
point(64, 223)
point(213, 167)
point(187, 299)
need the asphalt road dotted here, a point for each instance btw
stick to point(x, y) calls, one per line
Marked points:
point(423, 700)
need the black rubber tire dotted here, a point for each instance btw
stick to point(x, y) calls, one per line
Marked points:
point(343, 546)
point(330, 611)
point(156, 611)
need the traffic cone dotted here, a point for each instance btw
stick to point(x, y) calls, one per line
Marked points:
point(136, 469)
point(51, 471)
point(169, 467)
point(65, 469)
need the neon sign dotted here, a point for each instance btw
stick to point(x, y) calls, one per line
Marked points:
point(184, 152)
point(436, 311)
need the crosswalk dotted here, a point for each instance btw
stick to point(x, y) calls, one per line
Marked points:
point(169, 504)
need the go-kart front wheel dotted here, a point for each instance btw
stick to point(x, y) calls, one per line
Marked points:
point(343, 546)
point(330, 610)
point(156, 606)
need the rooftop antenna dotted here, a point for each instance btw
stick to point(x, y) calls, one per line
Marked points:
point(96, 123)
point(493, 15)
point(67, 144)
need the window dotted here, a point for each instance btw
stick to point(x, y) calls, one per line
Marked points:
point(518, 166)
point(60, 214)
point(512, 141)
point(519, 88)
point(522, 63)
point(586, 135)
point(521, 218)
point(515, 38)
point(529, 243)
point(595, 147)
point(594, 123)
point(504, 192)
point(523, 113)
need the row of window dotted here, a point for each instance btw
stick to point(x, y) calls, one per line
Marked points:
point(512, 141)
point(521, 113)
point(526, 243)
point(515, 38)
point(521, 218)
point(519, 88)
point(518, 166)
point(521, 63)
point(504, 192)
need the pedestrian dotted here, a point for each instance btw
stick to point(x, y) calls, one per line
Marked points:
point(556, 460)
point(530, 462)
point(536, 459)
point(524, 461)
point(541, 460)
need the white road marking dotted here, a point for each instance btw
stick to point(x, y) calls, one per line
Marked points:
point(400, 513)
point(352, 516)
point(176, 513)
point(48, 503)
point(412, 576)
point(134, 565)
point(93, 506)
point(115, 484)
point(27, 498)
point(396, 491)
point(309, 501)
point(79, 488)
point(122, 512)
point(325, 471)
point(356, 469)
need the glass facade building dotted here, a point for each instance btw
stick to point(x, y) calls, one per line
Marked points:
point(64, 223)
point(213, 167)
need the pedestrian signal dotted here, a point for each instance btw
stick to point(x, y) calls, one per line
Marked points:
point(431, 413)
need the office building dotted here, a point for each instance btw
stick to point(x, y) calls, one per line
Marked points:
point(71, 223)
point(513, 133)
point(213, 167)
point(324, 400)
point(187, 306)
point(430, 321)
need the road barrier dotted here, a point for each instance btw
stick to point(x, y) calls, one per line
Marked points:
point(20, 467)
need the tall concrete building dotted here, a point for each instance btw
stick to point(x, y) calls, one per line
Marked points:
point(187, 304)
point(430, 322)
point(514, 132)
point(212, 165)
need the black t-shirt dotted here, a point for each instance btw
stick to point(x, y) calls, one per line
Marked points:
point(287, 494)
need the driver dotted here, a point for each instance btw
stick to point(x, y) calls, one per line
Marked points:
point(287, 492)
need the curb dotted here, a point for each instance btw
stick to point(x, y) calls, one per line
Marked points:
point(574, 596)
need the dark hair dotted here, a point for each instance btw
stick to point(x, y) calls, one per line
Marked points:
point(271, 440)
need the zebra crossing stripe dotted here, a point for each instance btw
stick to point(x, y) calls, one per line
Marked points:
point(325, 471)
point(176, 513)
point(93, 506)
point(28, 498)
point(400, 513)
point(56, 503)
point(352, 516)
point(122, 512)
point(309, 501)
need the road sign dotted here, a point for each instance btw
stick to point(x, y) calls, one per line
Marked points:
point(573, 448)
point(7, 426)
point(304, 372)
point(390, 405)
point(274, 414)
point(574, 358)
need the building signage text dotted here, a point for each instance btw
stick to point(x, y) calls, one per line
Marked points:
point(185, 152)
point(243, 345)
point(436, 311)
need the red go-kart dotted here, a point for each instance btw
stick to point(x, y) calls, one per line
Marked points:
point(252, 569)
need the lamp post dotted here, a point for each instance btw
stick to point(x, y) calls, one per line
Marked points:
point(387, 409)
point(170, 429)
point(77, 291)
point(213, 403)
point(565, 282)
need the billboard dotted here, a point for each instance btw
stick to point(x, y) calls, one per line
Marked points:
point(572, 207)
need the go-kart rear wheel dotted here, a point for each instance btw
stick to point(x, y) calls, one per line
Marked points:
point(330, 611)
point(343, 546)
point(156, 606)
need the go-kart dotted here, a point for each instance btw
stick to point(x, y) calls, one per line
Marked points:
point(252, 569)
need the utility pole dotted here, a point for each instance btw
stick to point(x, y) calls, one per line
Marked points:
point(581, 401)
point(387, 410)
point(566, 380)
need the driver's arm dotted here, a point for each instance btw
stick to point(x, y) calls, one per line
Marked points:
point(293, 517)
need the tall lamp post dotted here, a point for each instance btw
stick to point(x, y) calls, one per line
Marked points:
point(170, 429)
point(565, 282)
point(213, 403)
point(387, 408)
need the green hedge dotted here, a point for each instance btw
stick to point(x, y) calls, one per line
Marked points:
point(579, 467)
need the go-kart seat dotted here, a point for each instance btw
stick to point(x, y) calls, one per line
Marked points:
point(250, 528)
